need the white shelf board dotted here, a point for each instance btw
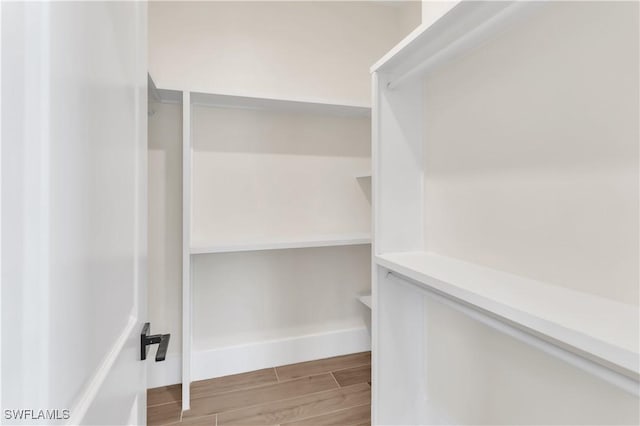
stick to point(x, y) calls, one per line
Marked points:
point(315, 241)
point(600, 329)
point(229, 100)
point(169, 96)
point(364, 175)
point(365, 300)
point(464, 27)
point(152, 90)
point(283, 105)
point(166, 96)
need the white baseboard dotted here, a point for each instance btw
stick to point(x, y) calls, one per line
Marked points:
point(255, 356)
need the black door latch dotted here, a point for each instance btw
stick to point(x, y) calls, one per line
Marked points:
point(146, 340)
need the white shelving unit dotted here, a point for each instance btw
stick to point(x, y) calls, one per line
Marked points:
point(592, 333)
point(558, 314)
point(198, 241)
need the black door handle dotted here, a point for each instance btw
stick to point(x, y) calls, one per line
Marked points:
point(146, 340)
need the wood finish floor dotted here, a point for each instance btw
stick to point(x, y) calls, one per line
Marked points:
point(332, 391)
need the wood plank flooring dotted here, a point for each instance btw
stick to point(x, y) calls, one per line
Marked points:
point(332, 391)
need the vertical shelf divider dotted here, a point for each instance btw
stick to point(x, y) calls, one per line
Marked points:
point(186, 250)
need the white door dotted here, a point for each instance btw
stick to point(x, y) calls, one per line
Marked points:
point(73, 229)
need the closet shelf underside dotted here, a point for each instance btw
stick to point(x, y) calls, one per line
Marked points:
point(600, 328)
point(315, 241)
point(224, 100)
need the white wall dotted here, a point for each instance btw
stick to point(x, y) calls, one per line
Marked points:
point(261, 175)
point(531, 156)
point(259, 296)
point(299, 50)
point(531, 166)
point(432, 10)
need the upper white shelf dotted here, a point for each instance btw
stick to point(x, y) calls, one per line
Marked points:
point(604, 330)
point(463, 27)
point(167, 96)
point(161, 95)
point(284, 105)
point(226, 100)
point(316, 241)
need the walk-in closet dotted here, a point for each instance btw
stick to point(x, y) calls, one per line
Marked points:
point(452, 186)
point(346, 213)
point(260, 188)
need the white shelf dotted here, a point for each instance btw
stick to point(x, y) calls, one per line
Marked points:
point(284, 105)
point(167, 96)
point(598, 328)
point(154, 94)
point(152, 91)
point(365, 300)
point(365, 175)
point(312, 106)
point(232, 100)
point(317, 241)
point(467, 25)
